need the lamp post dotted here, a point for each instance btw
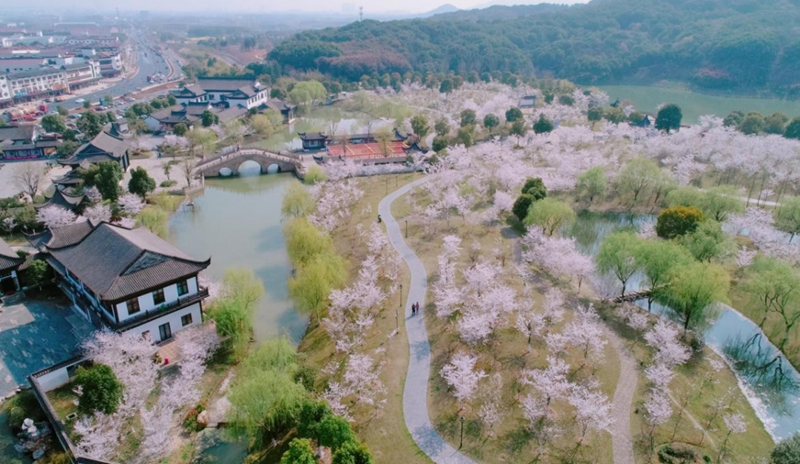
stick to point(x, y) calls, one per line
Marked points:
point(397, 310)
point(406, 228)
point(461, 441)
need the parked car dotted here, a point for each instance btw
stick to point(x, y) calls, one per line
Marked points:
point(80, 100)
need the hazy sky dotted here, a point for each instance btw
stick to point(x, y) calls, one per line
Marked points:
point(374, 6)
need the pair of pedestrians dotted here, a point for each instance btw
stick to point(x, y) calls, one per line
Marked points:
point(414, 308)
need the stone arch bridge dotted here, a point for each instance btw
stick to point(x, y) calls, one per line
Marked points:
point(210, 167)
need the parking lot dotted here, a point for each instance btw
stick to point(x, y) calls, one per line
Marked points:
point(36, 331)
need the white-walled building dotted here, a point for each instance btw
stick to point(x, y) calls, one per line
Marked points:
point(244, 93)
point(125, 279)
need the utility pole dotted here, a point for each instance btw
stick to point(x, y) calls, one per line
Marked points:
point(361, 13)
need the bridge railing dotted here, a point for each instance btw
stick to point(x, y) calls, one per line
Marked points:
point(245, 151)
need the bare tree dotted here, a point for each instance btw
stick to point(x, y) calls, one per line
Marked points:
point(28, 176)
point(187, 167)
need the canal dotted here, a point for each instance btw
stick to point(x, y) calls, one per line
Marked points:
point(766, 377)
point(237, 221)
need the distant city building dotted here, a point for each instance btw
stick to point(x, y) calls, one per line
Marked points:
point(36, 83)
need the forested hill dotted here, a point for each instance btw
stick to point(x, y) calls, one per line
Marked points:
point(720, 44)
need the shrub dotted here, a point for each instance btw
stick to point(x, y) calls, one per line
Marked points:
point(190, 422)
point(315, 175)
point(534, 186)
point(521, 206)
point(35, 274)
point(674, 454)
point(787, 451)
point(141, 183)
point(23, 405)
point(678, 221)
point(101, 391)
point(168, 183)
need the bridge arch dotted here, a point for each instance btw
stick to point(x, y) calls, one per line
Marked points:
point(231, 163)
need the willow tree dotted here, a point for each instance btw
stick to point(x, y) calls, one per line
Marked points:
point(692, 289)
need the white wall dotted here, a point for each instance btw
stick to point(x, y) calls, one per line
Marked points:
point(53, 380)
point(146, 300)
point(174, 320)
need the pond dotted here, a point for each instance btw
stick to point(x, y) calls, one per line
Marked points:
point(237, 221)
point(322, 119)
point(693, 105)
point(767, 379)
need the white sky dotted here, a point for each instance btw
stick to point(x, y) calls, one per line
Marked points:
point(370, 6)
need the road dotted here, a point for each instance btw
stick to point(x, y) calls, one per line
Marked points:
point(149, 63)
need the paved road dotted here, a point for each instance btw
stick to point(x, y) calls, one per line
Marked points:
point(148, 65)
point(415, 393)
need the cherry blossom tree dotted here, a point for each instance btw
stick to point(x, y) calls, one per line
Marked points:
point(130, 204)
point(529, 322)
point(592, 411)
point(462, 377)
point(55, 216)
point(93, 194)
point(98, 213)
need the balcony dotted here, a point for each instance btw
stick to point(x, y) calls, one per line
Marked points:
point(164, 309)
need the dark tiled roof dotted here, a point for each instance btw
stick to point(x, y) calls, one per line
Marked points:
point(63, 199)
point(64, 236)
point(117, 263)
point(225, 85)
point(17, 133)
point(103, 147)
point(277, 104)
point(312, 136)
point(193, 90)
point(231, 113)
point(8, 257)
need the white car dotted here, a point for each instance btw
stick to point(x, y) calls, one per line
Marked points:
point(80, 100)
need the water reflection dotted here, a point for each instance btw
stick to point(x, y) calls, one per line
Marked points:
point(238, 222)
point(770, 381)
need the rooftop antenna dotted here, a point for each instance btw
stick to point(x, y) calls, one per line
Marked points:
point(361, 13)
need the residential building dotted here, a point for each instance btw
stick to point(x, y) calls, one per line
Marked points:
point(10, 263)
point(125, 279)
point(12, 65)
point(26, 85)
point(313, 140)
point(108, 145)
point(246, 93)
point(110, 63)
point(190, 94)
point(82, 74)
point(527, 104)
point(25, 142)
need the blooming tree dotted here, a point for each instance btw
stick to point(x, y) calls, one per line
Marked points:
point(130, 204)
point(55, 216)
point(462, 377)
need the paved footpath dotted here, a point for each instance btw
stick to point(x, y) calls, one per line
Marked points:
point(415, 393)
point(621, 440)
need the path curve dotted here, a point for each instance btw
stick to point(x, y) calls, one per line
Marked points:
point(415, 392)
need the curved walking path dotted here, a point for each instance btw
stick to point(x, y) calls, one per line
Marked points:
point(415, 392)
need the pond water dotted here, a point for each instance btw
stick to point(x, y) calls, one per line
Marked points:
point(237, 221)
point(328, 119)
point(768, 380)
point(693, 105)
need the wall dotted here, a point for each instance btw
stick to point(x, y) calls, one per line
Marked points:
point(174, 320)
point(54, 379)
point(146, 300)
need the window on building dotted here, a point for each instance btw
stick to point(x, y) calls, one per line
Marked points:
point(158, 296)
point(133, 306)
point(186, 319)
point(164, 332)
point(183, 288)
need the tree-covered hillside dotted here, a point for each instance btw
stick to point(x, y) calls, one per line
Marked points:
point(716, 44)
